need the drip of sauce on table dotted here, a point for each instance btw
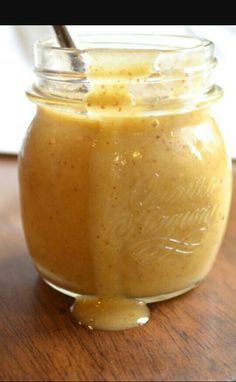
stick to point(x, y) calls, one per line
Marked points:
point(110, 313)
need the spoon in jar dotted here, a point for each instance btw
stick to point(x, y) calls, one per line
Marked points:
point(63, 36)
point(65, 41)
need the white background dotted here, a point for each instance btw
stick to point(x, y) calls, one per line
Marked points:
point(16, 73)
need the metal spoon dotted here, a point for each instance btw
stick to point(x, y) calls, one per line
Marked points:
point(65, 41)
point(63, 36)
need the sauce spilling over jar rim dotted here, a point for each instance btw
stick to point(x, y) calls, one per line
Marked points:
point(110, 309)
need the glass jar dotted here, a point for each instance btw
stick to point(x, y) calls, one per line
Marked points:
point(125, 182)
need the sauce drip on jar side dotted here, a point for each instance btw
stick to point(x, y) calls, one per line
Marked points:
point(110, 310)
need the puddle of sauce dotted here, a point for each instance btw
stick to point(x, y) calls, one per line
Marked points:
point(109, 313)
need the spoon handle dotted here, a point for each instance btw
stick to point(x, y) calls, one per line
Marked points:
point(63, 36)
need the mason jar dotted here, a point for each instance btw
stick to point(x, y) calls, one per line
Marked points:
point(125, 183)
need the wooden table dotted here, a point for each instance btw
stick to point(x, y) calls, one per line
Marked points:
point(192, 337)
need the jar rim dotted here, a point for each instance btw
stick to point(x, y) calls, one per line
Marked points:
point(188, 53)
point(164, 43)
point(179, 68)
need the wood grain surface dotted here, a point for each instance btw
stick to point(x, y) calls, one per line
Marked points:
point(192, 337)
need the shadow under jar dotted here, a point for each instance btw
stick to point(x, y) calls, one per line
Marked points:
point(125, 182)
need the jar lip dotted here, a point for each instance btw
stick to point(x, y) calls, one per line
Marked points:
point(154, 68)
point(118, 41)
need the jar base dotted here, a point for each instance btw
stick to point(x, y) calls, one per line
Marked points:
point(147, 300)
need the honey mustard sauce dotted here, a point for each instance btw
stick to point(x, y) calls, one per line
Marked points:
point(119, 205)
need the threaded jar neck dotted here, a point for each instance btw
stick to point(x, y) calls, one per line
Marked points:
point(147, 72)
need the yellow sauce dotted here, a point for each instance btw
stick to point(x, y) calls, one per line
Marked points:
point(110, 313)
